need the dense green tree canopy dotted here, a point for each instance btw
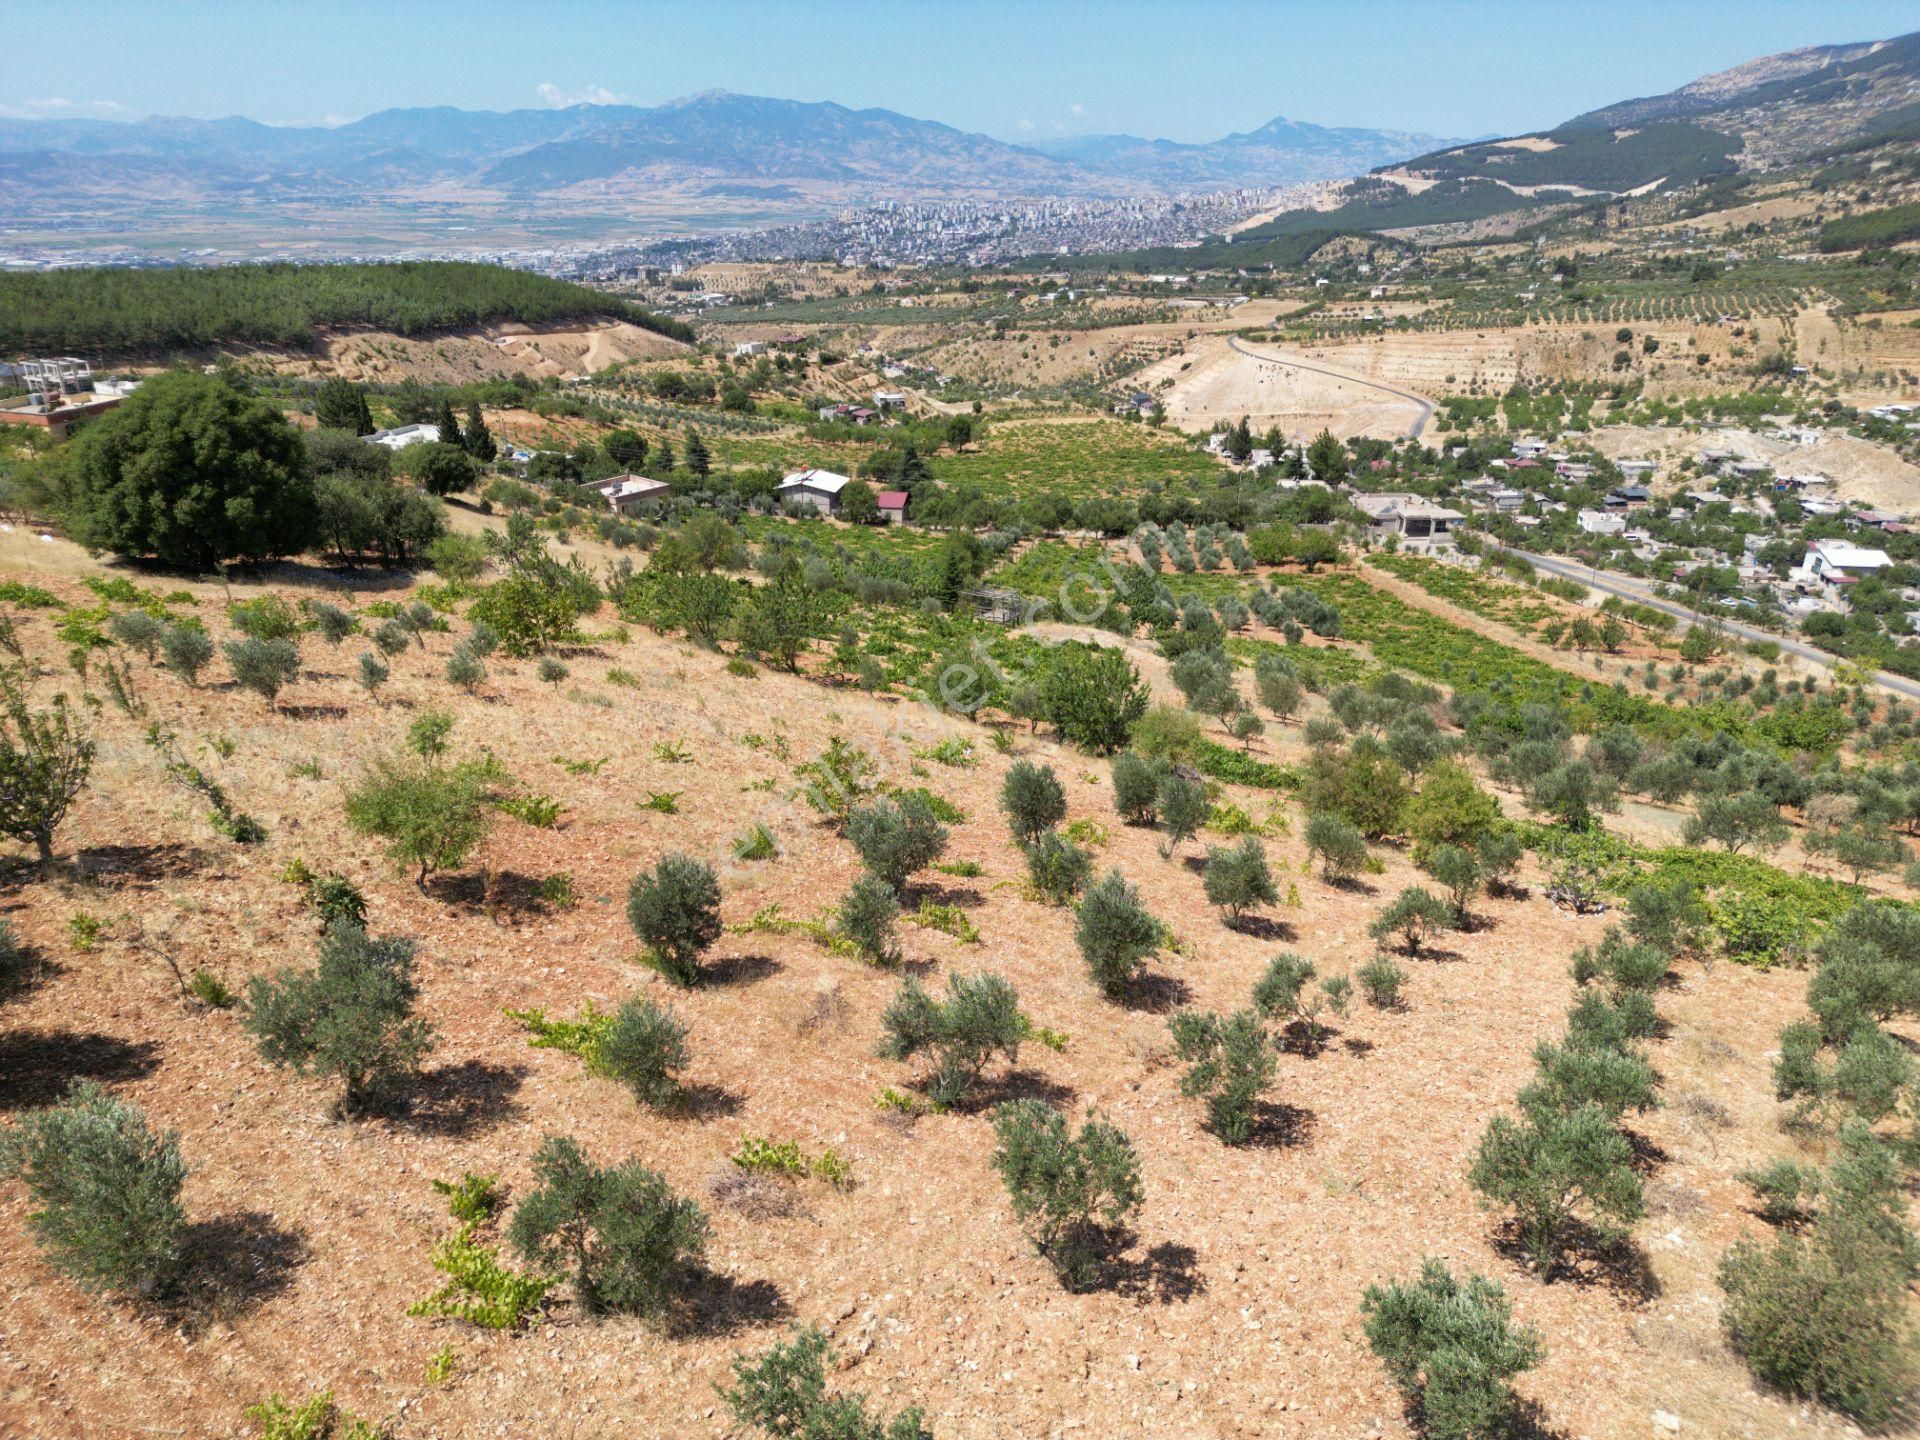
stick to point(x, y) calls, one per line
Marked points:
point(192, 473)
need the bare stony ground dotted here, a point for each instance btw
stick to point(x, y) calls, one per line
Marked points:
point(1232, 1311)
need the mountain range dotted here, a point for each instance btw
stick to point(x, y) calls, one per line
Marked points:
point(606, 151)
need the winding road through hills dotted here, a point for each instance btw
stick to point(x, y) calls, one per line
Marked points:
point(1425, 405)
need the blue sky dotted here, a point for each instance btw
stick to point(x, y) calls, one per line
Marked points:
point(1182, 69)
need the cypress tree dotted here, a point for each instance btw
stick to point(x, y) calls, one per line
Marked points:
point(449, 427)
point(479, 439)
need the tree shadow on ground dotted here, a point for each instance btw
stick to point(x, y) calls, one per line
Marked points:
point(1527, 1420)
point(964, 896)
point(234, 1264)
point(1648, 1155)
point(1165, 1275)
point(1020, 1084)
point(1156, 994)
point(703, 1102)
point(716, 1304)
point(313, 712)
point(1589, 1261)
point(1279, 1126)
point(1438, 954)
point(1353, 885)
point(1297, 1037)
point(739, 969)
point(36, 1066)
point(459, 1101)
point(1264, 927)
point(114, 865)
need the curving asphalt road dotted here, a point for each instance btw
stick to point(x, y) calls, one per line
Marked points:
point(1628, 588)
point(1426, 406)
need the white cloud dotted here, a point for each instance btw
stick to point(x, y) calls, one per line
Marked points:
point(1023, 124)
point(560, 97)
point(58, 107)
point(1079, 112)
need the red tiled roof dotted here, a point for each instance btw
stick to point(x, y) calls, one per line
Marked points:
point(892, 499)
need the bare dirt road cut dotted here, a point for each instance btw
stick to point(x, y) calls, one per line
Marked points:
point(1223, 378)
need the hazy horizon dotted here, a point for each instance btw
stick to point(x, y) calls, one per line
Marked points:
point(1020, 74)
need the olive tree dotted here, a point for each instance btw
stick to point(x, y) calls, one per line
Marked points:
point(1452, 1347)
point(675, 909)
point(980, 1018)
point(45, 758)
point(1069, 1191)
point(105, 1190)
point(350, 1018)
point(1115, 933)
point(626, 1240)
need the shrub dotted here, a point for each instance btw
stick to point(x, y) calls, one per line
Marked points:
point(1282, 993)
point(315, 1418)
point(1136, 788)
point(1381, 980)
point(1068, 1191)
point(1167, 733)
point(1415, 915)
point(1453, 1348)
point(105, 1190)
point(868, 915)
point(472, 1199)
point(675, 910)
point(350, 1018)
point(979, 1018)
point(263, 666)
point(1093, 696)
point(45, 759)
point(333, 623)
point(432, 816)
point(1602, 1022)
point(1183, 809)
point(1237, 878)
point(266, 618)
point(625, 1238)
point(1115, 934)
point(1552, 1167)
point(784, 1392)
point(1341, 847)
point(1823, 1314)
point(551, 671)
point(897, 837)
point(335, 898)
point(373, 673)
point(479, 1289)
point(1032, 800)
point(137, 630)
point(1230, 1062)
point(1572, 1076)
point(185, 650)
point(837, 780)
point(1458, 872)
point(1362, 785)
point(465, 669)
point(642, 1047)
point(1057, 867)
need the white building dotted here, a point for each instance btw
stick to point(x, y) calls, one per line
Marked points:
point(625, 493)
point(1601, 522)
point(401, 436)
point(1839, 562)
point(819, 489)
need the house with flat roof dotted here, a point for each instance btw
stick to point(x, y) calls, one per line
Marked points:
point(1601, 522)
point(627, 493)
point(1412, 516)
point(401, 436)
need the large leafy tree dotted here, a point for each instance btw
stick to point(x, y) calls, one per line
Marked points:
point(193, 473)
point(342, 405)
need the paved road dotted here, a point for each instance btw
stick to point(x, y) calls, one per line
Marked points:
point(1426, 405)
point(1629, 588)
